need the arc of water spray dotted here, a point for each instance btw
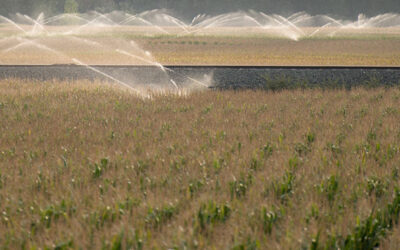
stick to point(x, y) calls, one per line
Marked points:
point(141, 59)
point(125, 53)
point(211, 22)
point(89, 67)
point(24, 42)
point(290, 24)
point(161, 67)
point(333, 20)
point(188, 77)
point(207, 22)
point(254, 20)
point(275, 19)
point(14, 24)
point(298, 15)
point(333, 33)
point(176, 21)
point(105, 17)
point(234, 18)
point(226, 18)
point(72, 31)
point(121, 52)
point(36, 24)
point(59, 17)
point(380, 18)
point(319, 29)
point(37, 45)
point(40, 46)
point(21, 44)
point(196, 18)
point(108, 76)
point(93, 43)
point(82, 26)
point(131, 18)
point(222, 19)
point(147, 61)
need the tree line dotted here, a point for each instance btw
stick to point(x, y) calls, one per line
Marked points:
point(189, 8)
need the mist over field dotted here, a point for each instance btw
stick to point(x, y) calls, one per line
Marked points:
point(190, 8)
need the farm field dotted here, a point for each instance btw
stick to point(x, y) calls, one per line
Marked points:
point(88, 165)
point(217, 47)
point(277, 52)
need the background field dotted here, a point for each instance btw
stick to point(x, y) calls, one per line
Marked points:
point(267, 51)
point(89, 165)
point(219, 46)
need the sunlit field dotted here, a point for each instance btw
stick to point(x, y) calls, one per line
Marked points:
point(270, 51)
point(178, 165)
point(235, 38)
point(89, 165)
point(213, 46)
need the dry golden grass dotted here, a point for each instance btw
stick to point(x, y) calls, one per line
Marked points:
point(87, 165)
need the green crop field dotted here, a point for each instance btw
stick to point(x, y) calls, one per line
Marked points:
point(87, 166)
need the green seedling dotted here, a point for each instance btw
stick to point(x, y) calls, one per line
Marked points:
point(376, 186)
point(157, 216)
point(335, 149)
point(212, 213)
point(310, 136)
point(248, 245)
point(329, 187)
point(269, 218)
point(267, 150)
point(301, 149)
point(98, 169)
point(53, 213)
point(284, 188)
point(238, 188)
point(194, 187)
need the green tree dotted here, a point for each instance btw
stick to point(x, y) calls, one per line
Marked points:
point(70, 6)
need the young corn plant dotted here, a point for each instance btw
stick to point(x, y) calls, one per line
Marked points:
point(302, 149)
point(368, 233)
point(103, 216)
point(310, 136)
point(212, 213)
point(329, 187)
point(156, 217)
point(134, 240)
point(98, 169)
point(194, 187)
point(53, 213)
point(269, 219)
point(249, 244)
point(238, 188)
point(267, 150)
point(284, 188)
point(376, 186)
point(64, 245)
